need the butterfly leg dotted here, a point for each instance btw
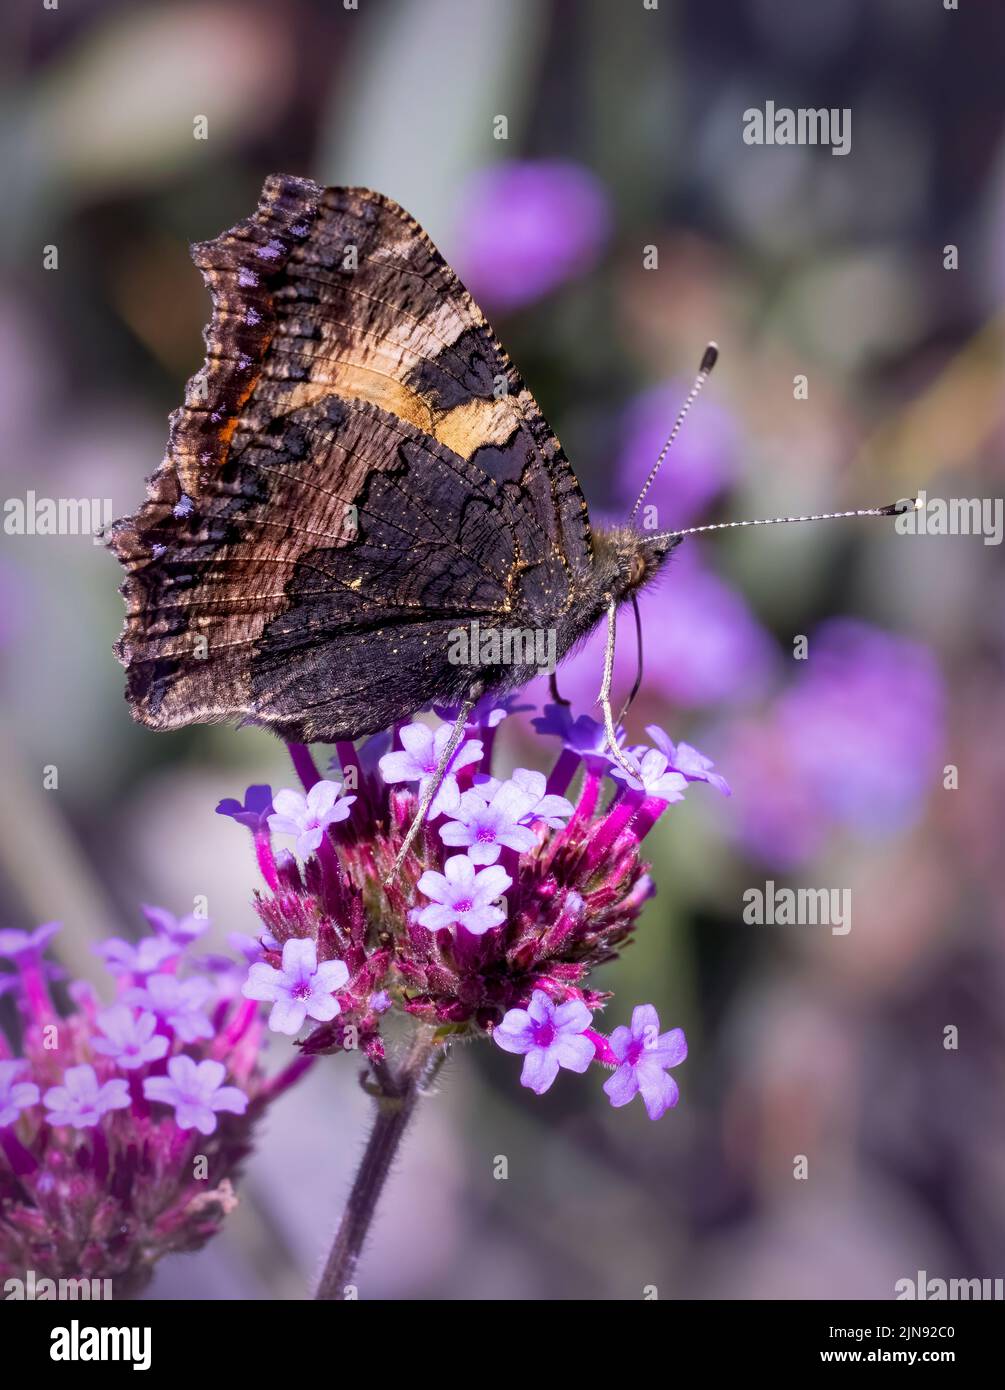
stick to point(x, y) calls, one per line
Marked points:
point(436, 781)
point(604, 699)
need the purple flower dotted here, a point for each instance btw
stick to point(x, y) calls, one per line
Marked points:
point(485, 826)
point(652, 774)
point(81, 1100)
point(181, 930)
point(101, 1179)
point(549, 1036)
point(178, 1003)
point(14, 942)
point(421, 756)
point(15, 1095)
point(132, 1040)
point(682, 758)
point(489, 712)
point(491, 815)
point(301, 989)
point(553, 810)
point(583, 735)
point(143, 957)
point(527, 227)
point(253, 812)
point(644, 1054)
point(308, 817)
point(196, 1092)
point(463, 897)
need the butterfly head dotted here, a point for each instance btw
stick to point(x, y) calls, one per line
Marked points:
point(628, 560)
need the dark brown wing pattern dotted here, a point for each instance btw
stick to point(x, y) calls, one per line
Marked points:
point(356, 470)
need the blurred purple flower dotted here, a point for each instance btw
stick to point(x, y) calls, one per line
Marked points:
point(82, 1100)
point(131, 1039)
point(179, 1003)
point(855, 741)
point(526, 227)
point(179, 930)
point(195, 1091)
point(548, 1036)
point(643, 1055)
point(14, 942)
point(863, 723)
point(15, 1095)
point(144, 957)
point(775, 814)
point(249, 946)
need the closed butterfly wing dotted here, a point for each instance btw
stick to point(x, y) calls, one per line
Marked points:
point(357, 470)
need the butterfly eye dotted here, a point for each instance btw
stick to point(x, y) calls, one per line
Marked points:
point(637, 570)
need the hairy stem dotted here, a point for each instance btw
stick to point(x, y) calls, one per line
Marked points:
point(399, 1090)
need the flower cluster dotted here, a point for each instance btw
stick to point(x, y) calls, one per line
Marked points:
point(507, 900)
point(122, 1127)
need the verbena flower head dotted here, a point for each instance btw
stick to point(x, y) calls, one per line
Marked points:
point(511, 895)
point(124, 1126)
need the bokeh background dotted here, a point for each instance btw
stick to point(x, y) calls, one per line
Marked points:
point(624, 132)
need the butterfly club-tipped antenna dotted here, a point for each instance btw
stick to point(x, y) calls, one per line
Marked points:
point(708, 361)
point(905, 504)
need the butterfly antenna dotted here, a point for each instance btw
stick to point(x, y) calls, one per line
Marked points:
point(906, 504)
point(708, 361)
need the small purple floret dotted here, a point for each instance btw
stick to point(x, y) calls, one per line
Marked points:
point(644, 1054)
point(196, 1092)
point(548, 1036)
point(82, 1100)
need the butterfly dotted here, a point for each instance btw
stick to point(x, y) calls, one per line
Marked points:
point(358, 475)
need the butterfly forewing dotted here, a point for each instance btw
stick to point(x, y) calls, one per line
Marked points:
point(357, 469)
